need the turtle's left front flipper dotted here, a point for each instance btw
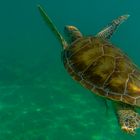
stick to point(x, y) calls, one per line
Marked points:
point(108, 31)
point(128, 118)
point(52, 26)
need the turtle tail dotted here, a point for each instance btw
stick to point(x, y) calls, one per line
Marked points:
point(53, 28)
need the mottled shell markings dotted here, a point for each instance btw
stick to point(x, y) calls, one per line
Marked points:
point(103, 69)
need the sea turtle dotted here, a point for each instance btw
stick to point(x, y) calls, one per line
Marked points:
point(102, 68)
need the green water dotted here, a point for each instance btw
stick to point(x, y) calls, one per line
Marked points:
point(38, 99)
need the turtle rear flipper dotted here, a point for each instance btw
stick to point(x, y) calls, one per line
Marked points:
point(129, 119)
point(52, 27)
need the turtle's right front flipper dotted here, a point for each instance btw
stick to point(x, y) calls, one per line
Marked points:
point(52, 27)
point(109, 30)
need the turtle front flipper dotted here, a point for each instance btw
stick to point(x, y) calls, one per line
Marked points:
point(108, 31)
point(129, 119)
point(52, 27)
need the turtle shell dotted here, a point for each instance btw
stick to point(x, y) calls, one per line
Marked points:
point(103, 69)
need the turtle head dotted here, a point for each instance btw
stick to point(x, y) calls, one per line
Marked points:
point(72, 33)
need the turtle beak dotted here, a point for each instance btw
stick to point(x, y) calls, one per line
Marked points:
point(67, 33)
point(67, 29)
point(70, 28)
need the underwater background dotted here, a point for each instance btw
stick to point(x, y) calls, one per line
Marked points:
point(38, 98)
